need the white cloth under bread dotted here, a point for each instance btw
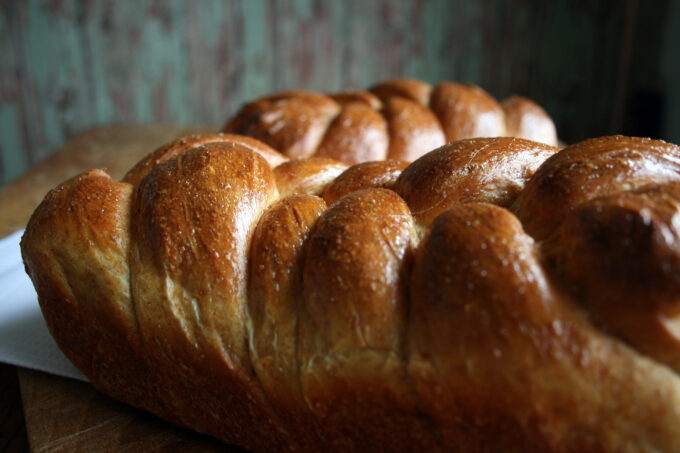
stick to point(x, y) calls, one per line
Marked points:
point(24, 338)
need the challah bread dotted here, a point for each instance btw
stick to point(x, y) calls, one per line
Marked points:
point(486, 297)
point(398, 119)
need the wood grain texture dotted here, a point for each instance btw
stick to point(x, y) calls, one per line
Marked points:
point(66, 415)
point(597, 66)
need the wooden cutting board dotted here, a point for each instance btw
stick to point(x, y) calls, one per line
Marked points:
point(64, 414)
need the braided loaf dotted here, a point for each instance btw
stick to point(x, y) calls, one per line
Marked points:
point(398, 119)
point(493, 295)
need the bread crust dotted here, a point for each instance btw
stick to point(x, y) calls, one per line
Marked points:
point(399, 119)
point(464, 302)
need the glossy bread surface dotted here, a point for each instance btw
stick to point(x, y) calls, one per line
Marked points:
point(398, 119)
point(496, 294)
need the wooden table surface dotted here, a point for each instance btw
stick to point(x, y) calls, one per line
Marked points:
point(64, 414)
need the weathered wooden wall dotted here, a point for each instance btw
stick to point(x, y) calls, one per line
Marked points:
point(598, 66)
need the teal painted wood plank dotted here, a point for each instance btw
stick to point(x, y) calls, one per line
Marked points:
point(70, 64)
point(110, 43)
point(426, 58)
point(258, 55)
point(13, 161)
point(53, 74)
point(309, 49)
point(213, 45)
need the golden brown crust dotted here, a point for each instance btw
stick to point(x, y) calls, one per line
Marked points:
point(415, 90)
point(188, 266)
point(491, 170)
point(276, 261)
point(363, 176)
point(526, 119)
point(592, 168)
point(481, 303)
point(227, 296)
point(357, 134)
point(467, 111)
point(290, 122)
point(184, 144)
point(84, 291)
point(308, 176)
point(401, 119)
point(365, 97)
point(621, 254)
point(413, 129)
point(352, 326)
